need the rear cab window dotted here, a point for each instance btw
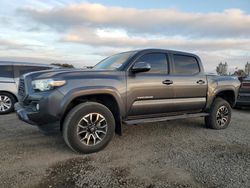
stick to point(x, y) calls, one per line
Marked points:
point(185, 65)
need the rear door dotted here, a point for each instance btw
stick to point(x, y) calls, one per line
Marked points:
point(190, 82)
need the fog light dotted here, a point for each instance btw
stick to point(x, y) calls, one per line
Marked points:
point(37, 107)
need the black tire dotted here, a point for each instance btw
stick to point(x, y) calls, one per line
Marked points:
point(12, 102)
point(73, 119)
point(213, 121)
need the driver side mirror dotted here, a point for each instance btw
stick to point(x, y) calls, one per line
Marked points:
point(141, 67)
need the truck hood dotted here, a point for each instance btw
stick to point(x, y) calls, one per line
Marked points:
point(71, 73)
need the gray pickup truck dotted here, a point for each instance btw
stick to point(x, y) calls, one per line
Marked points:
point(143, 86)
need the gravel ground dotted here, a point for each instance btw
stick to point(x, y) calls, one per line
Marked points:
point(171, 154)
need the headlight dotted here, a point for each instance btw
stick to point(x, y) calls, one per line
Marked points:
point(47, 84)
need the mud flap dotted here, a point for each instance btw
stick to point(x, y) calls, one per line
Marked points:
point(118, 126)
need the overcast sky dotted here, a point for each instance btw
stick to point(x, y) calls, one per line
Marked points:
point(84, 32)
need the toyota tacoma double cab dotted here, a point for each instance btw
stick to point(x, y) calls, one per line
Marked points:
point(142, 86)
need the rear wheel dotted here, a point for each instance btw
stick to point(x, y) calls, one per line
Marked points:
point(7, 102)
point(220, 114)
point(88, 127)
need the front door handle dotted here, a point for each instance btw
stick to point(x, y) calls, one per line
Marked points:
point(167, 82)
point(200, 82)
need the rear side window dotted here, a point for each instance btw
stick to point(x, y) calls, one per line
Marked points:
point(158, 62)
point(20, 70)
point(6, 71)
point(186, 65)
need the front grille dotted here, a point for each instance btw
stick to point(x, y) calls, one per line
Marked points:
point(21, 88)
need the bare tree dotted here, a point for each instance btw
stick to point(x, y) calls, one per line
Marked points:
point(63, 65)
point(222, 69)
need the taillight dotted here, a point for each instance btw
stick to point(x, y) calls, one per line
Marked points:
point(245, 85)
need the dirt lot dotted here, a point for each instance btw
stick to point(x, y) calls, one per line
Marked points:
point(172, 154)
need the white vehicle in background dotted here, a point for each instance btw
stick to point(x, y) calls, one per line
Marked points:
point(9, 80)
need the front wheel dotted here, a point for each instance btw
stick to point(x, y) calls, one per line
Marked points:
point(88, 127)
point(220, 114)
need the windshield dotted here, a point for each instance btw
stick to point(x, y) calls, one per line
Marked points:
point(114, 62)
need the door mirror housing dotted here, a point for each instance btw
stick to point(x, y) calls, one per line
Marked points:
point(141, 67)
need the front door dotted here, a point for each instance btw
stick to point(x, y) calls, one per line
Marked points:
point(150, 93)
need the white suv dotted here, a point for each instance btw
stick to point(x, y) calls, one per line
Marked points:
point(9, 79)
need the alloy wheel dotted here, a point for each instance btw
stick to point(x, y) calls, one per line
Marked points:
point(222, 116)
point(5, 103)
point(92, 129)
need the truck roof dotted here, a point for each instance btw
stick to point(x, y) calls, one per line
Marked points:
point(163, 50)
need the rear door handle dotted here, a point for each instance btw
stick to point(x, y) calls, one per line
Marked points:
point(200, 82)
point(167, 82)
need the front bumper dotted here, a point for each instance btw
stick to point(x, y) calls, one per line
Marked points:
point(33, 117)
point(23, 114)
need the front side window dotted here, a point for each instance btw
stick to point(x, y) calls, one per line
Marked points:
point(185, 65)
point(6, 71)
point(158, 62)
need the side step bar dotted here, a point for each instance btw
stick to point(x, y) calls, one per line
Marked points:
point(159, 119)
